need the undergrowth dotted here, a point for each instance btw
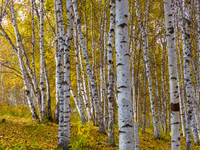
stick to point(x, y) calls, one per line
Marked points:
point(18, 131)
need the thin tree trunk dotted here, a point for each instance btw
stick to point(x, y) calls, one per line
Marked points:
point(111, 75)
point(144, 104)
point(56, 113)
point(90, 112)
point(42, 86)
point(105, 116)
point(83, 120)
point(185, 28)
point(66, 82)
point(61, 135)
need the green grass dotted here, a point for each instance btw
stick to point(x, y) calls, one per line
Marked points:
point(20, 132)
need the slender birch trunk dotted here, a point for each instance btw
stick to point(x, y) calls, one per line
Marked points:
point(157, 89)
point(185, 28)
point(83, 120)
point(181, 102)
point(75, 100)
point(89, 108)
point(111, 75)
point(66, 82)
point(42, 86)
point(125, 116)
point(2, 86)
point(56, 113)
point(144, 104)
point(105, 116)
point(148, 71)
point(59, 78)
point(89, 71)
point(172, 62)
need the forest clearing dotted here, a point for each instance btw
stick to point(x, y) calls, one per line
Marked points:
point(100, 74)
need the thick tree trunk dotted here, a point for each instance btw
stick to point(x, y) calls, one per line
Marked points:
point(59, 78)
point(173, 76)
point(124, 102)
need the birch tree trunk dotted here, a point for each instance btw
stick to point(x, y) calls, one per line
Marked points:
point(42, 87)
point(125, 116)
point(111, 76)
point(56, 113)
point(66, 82)
point(185, 27)
point(90, 112)
point(105, 116)
point(59, 78)
point(181, 102)
point(83, 120)
point(89, 71)
point(148, 71)
point(144, 104)
point(136, 126)
point(173, 76)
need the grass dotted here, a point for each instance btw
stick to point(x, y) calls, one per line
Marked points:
point(20, 132)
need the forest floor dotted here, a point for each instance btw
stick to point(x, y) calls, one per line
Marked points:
point(17, 132)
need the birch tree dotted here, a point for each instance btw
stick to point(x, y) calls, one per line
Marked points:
point(172, 62)
point(111, 76)
point(78, 80)
point(124, 102)
point(66, 82)
point(59, 77)
point(42, 86)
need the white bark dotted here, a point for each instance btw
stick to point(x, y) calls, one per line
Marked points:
point(66, 82)
point(75, 101)
point(89, 108)
point(105, 116)
point(56, 113)
point(42, 87)
point(111, 76)
point(173, 76)
point(125, 116)
point(136, 126)
point(80, 104)
point(185, 28)
point(59, 77)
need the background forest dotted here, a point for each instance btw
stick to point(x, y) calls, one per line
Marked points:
point(60, 60)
